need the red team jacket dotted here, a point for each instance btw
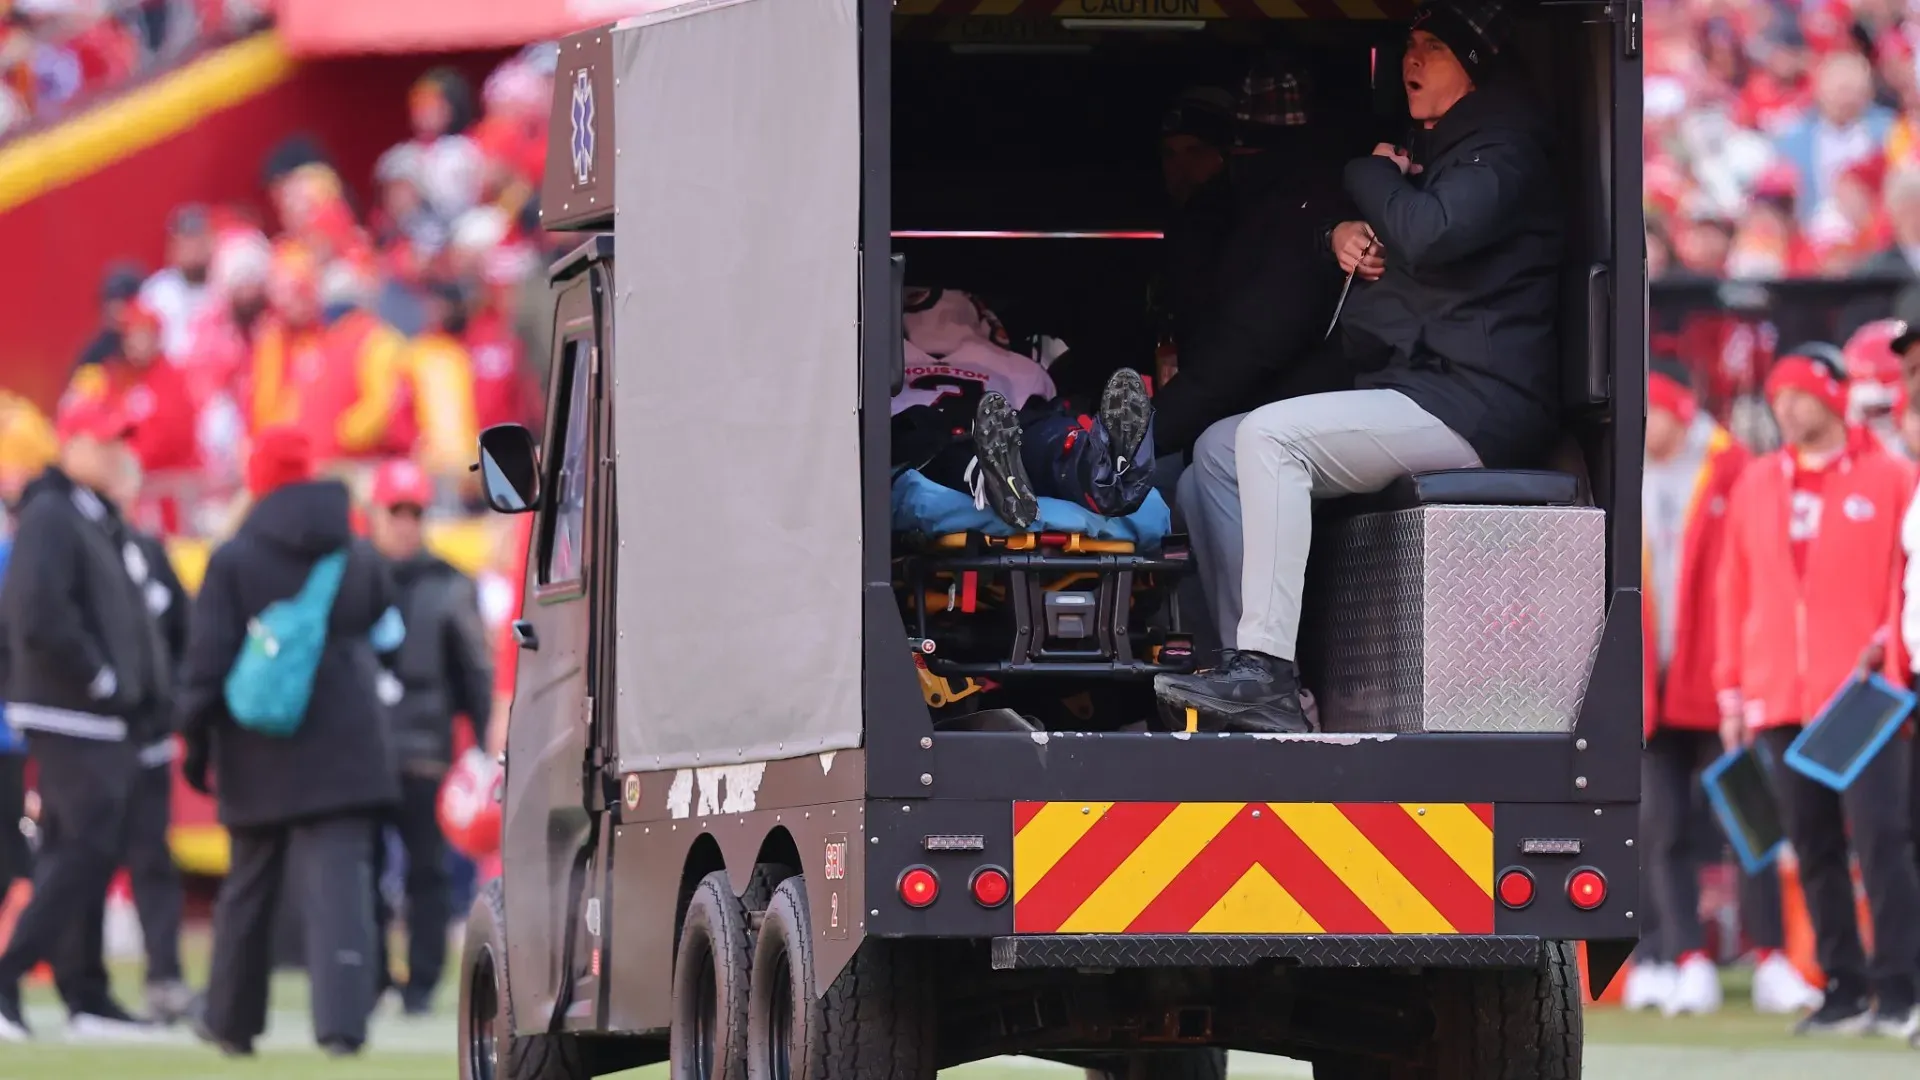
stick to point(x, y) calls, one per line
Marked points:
point(1685, 697)
point(1788, 642)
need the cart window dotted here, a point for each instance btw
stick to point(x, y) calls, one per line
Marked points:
point(565, 539)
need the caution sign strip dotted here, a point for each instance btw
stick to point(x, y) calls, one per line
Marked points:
point(1253, 868)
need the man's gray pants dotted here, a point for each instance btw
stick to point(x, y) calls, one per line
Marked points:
point(1247, 496)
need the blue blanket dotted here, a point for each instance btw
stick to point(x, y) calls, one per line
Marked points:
point(922, 506)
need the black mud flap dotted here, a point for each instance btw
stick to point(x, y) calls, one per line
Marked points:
point(1604, 961)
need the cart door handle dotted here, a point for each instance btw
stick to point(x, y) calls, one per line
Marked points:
point(525, 636)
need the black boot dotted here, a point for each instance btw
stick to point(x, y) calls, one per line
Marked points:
point(1250, 692)
point(998, 475)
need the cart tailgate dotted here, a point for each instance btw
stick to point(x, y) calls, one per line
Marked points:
point(1252, 868)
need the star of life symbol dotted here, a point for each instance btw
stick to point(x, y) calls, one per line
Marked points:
point(581, 117)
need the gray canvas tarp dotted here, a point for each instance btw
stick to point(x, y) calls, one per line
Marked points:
point(735, 383)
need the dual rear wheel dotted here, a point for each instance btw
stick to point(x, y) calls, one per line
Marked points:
point(874, 1023)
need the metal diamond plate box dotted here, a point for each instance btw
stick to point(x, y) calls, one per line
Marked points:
point(1459, 618)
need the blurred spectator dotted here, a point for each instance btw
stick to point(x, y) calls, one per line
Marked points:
point(149, 390)
point(1844, 128)
point(1900, 257)
point(442, 670)
point(299, 808)
point(336, 372)
point(84, 672)
point(155, 880)
point(442, 376)
point(118, 290)
point(179, 293)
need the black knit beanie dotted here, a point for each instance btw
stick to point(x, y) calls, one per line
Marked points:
point(1475, 30)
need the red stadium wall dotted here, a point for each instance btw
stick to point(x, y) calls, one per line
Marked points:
point(113, 184)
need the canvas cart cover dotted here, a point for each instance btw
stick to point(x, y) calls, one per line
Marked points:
point(735, 383)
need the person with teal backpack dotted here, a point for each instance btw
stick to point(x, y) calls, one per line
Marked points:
point(283, 724)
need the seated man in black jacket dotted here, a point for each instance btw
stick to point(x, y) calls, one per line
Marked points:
point(1450, 323)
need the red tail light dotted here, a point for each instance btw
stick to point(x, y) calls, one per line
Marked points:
point(1516, 888)
point(1587, 888)
point(989, 886)
point(918, 887)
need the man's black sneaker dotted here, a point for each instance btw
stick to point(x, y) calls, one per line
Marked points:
point(13, 1021)
point(227, 1047)
point(106, 1021)
point(1124, 412)
point(998, 475)
point(1840, 1014)
point(339, 1048)
point(1250, 692)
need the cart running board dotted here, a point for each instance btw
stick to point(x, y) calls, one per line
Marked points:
point(1247, 950)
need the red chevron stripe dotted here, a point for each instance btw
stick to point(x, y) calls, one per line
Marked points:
point(1268, 841)
point(1483, 811)
point(1024, 812)
point(1086, 865)
point(1452, 892)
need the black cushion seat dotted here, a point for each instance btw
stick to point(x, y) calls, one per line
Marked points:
point(1463, 487)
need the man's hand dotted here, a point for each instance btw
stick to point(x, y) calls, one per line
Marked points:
point(1733, 732)
point(1358, 250)
point(1733, 721)
point(1872, 658)
point(1398, 156)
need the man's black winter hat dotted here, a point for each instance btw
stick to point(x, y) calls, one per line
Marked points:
point(1476, 31)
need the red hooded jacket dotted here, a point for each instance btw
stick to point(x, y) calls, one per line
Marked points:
point(1683, 695)
point(1787, 641)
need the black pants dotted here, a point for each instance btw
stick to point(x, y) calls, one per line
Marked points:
point(1874, 811)
point(16, 860)
point(429, 888)
point(157, 892)
point(1671, 802)
point(84, 788)
point(328, 863)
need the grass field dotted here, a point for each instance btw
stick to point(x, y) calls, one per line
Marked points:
point(1734, 1045)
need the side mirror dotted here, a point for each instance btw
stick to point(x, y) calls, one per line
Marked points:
point(510, 469)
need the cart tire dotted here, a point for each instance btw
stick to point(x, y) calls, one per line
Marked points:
point(1501, 1024)
point(876, 1021)
point(1203, 1063)
point(783, 1015)
point(487, 1042)
point(708, 1037)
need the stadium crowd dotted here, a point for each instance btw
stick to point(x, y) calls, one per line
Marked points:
point(56, 54)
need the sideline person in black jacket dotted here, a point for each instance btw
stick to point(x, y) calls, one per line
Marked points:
point(157, 892)
point(301, 806)
point(441, 670)
point(85, 669)
point(1451, 320)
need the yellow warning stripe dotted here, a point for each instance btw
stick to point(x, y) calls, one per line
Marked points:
point(1151, 867)
point(1354, 859)
point(1049, 836)
point(1461, 834)
point(1257, 904)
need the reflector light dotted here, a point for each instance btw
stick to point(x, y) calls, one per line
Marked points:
point(1516, 888)
point(1587, 888)
point(918, 887)
point(989, 886)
